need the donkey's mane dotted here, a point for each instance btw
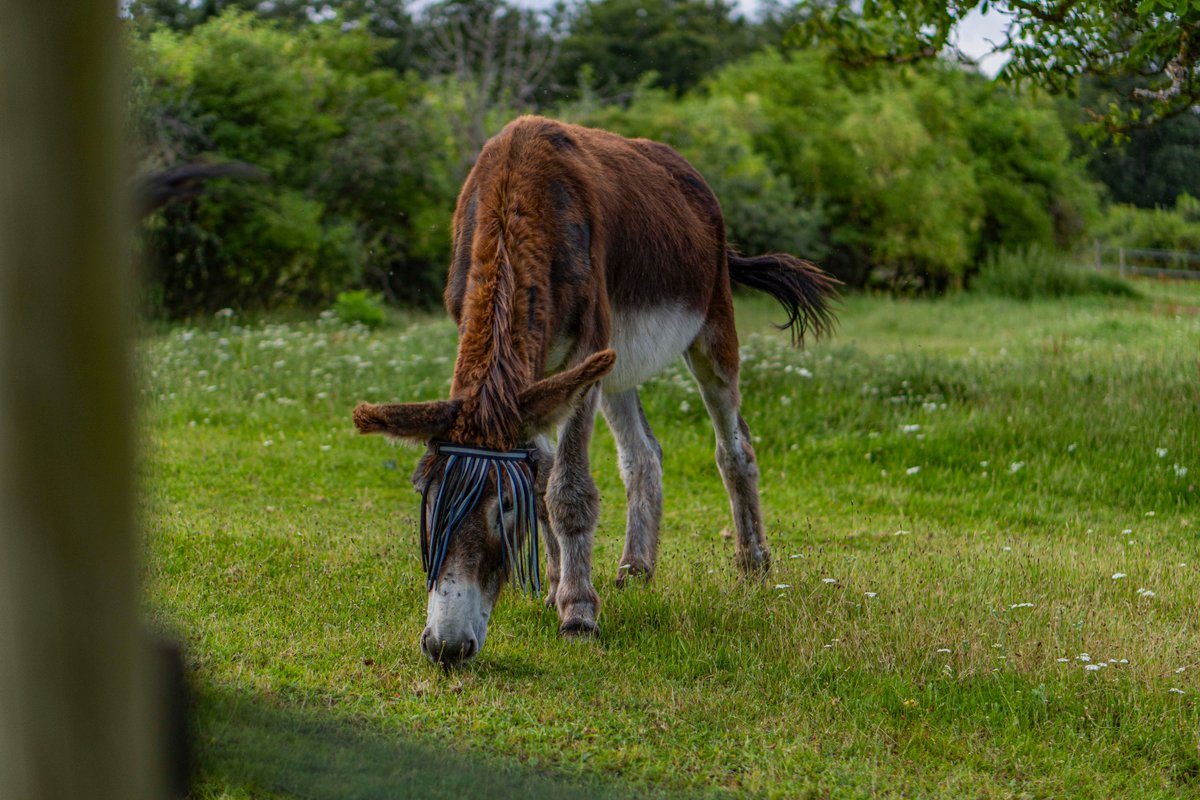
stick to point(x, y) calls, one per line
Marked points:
point(492, 365)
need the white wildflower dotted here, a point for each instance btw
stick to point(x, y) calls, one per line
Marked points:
point(225, 313)
point(901, 533)
point(1180, 471)
point(785, 400)
point(1016, 466)
point(1021, 605)
point(1093, 667)
point(943, 649)
point(325, 448)
point(829, 580)
point(1063, 660)
point(1180, 670)
point(1145, 592)
point(912, 470)
point(1118, 576)
point(1071, 447)
point(803, 373)
point(1083, 657)
point(1161, 452)
point(268, 442)
point(871, 594)
point(783, 586)
point(685, 407)
point(1176, 690)
point(909, 428)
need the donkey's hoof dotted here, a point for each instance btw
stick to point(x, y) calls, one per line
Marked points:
point(579, 628)
point(632, 572)
point(754, 563)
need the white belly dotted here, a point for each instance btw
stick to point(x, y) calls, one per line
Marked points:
point(646, 340)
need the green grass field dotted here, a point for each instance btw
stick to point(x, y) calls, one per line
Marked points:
point(986, 532)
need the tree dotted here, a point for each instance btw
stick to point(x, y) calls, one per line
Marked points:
point(1051, 44)
point(680, 41)
point(498, 56)
point(386, 19)
point(1153, 165)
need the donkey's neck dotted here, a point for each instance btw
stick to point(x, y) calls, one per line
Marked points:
point(497, 349)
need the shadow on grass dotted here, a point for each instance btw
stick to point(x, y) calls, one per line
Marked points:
point(253, 748)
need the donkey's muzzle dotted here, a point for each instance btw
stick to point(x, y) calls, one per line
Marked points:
point(448, 652)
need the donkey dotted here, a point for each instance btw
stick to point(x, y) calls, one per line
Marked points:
point(583, 263)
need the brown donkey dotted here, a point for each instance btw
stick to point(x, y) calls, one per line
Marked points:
point(583, 263)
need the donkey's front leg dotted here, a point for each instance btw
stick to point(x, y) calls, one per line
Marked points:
point(574, 505)
point(640, 457)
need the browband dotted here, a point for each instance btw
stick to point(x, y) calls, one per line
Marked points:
point(467, 471)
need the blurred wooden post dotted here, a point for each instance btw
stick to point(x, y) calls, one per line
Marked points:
point(1099, 264)
point(74, 693)
point(1121, 260)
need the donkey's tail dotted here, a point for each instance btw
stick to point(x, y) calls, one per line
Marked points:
point(804, 290)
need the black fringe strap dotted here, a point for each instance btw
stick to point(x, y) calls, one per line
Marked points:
point(467, 471)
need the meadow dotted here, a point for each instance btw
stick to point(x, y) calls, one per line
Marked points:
point(986, 534)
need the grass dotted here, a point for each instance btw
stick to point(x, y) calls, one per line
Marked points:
point(950, 488)
point(1035, 273)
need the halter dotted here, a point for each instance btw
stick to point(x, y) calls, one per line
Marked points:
point(458, 494)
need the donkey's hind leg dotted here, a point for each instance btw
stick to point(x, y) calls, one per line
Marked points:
point(713, 360)
point(640, 457)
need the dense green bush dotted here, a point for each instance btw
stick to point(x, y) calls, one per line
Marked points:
point(1175, 228)
point(359, 173)
point(1029, 273)
point(359, 306)
point(919, 173)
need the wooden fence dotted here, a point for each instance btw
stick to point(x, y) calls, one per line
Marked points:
point(1127, 261)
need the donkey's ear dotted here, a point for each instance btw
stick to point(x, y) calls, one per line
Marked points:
point(412, 422)
point(548, 402)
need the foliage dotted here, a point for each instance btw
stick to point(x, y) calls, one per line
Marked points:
point(679, 41)
point(1029, 273)
point(1051, 44)
point(1039, 432)
point(359, 306)
point(496, 57)
point(918, 175)
point(1152, 165)
point(357, 162)
point(1176, 228)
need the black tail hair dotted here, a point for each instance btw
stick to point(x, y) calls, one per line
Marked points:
point(804, 290)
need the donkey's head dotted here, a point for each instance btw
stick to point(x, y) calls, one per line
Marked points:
point(480, 505)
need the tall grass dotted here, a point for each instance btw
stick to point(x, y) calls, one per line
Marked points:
point(1024, 274)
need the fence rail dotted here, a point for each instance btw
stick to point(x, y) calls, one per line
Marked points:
point(1145, 261)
